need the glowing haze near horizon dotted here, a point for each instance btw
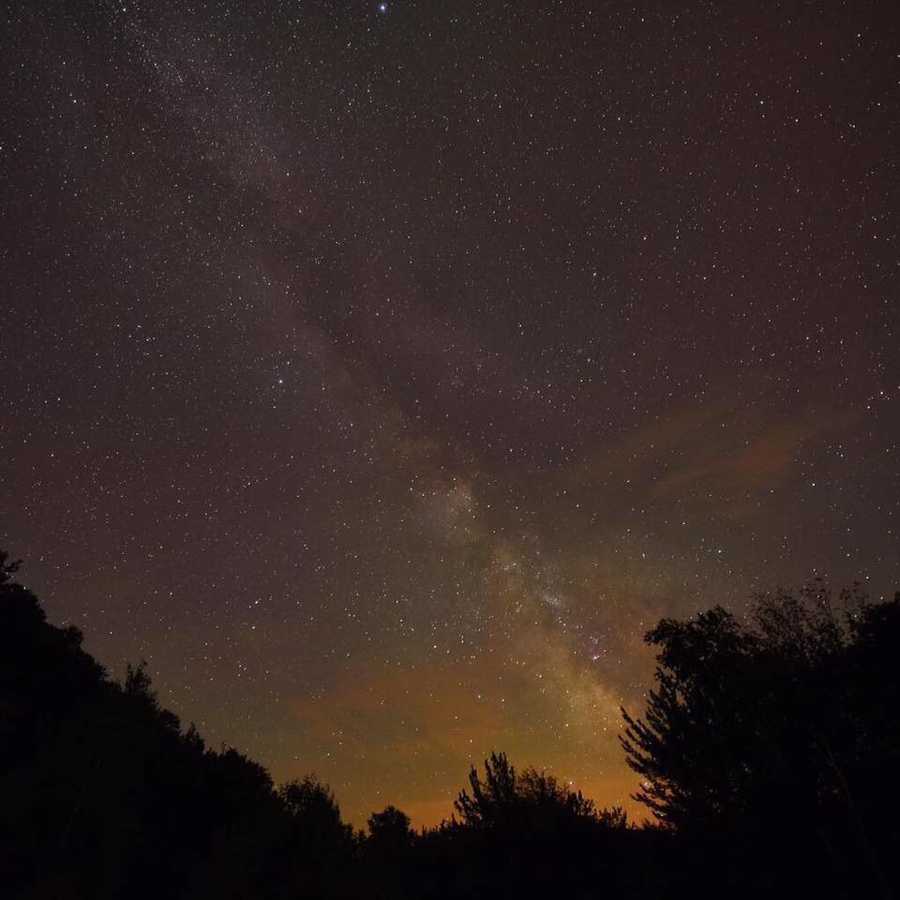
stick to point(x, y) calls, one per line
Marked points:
point(381, 372)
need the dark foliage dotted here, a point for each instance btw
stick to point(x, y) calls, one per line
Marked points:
point(767, 751)
point(531, 802)
point(104, 795)
point(779, 736)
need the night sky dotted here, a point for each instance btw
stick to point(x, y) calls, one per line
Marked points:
point(380, 373)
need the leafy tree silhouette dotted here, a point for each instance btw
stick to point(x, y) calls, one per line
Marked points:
point(493, 799)
point(321, 846)
point(390, 828)
point(526, 834)
point(104, 795)
point(388, 854)
point(506, 797)
point(313, 808)
point(749, 716)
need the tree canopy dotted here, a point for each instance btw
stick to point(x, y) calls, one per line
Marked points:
point(781, 727)
point(530, 798)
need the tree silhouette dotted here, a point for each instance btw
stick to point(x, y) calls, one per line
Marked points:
point(104, 794)
point(747, 717)
point(505, 796)
point(320, 846)
point(491, 800)
point(390, 828)
point(769, 750)
point(388, 854)
point(313, 809)
point(532, 800)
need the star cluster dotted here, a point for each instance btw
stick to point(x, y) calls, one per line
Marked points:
point(380, 373)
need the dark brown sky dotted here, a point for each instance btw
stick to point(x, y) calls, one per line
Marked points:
point(380, 375)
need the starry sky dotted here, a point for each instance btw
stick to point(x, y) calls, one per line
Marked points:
point(380, 373)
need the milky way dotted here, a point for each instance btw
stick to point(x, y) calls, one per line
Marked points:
point(380, 373)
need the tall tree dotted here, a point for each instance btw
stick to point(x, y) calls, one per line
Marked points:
point(770, 727)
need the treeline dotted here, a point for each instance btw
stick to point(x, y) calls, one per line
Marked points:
point(768, 752)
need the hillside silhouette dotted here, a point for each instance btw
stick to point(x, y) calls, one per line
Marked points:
point(768, 753)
